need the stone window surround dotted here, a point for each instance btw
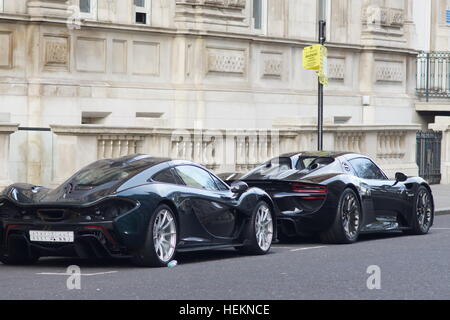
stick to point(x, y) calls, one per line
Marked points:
point(94, 10)
point(146, 10)
point(264, 17)
point(92, 15)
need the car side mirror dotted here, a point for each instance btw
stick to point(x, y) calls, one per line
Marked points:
point(400, 177)
point(239, 187)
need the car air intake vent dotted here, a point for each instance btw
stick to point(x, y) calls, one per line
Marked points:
point(52, 214)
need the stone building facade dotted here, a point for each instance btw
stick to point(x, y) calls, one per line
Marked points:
point(217, 81)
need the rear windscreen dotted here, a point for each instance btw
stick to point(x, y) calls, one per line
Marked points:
point(313, 163)
point(102, 172)
point(269, 169)
point(281, 168)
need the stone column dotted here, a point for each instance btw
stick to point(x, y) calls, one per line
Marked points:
point(35, 155)
point(366, 83)
point(73, 148)
point(5, 131)
point(35, 149)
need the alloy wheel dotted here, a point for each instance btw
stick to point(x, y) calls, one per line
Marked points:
point(164, 235)
point(350, 215)
point(264, 227)
point(424, 210)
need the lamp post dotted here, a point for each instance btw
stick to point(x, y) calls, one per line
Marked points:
point(322, 38)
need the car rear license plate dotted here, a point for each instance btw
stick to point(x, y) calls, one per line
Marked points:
point(52, 236)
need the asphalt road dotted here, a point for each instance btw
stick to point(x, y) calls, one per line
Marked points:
point(412, 267)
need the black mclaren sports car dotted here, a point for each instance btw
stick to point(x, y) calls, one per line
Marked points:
point(340, 195)
point(140, 207)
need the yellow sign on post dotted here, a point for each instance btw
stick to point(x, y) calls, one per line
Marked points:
point(315, 58)
point(311, 57)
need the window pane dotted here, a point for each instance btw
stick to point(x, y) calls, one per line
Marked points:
point(269, 169)
point(220, 185)
point(257, 13)
point(141, 17)
point(85, 6)
point(304, 162)
point(196, 177)
point(139, 3)
point(165, 176)
point(102, 172)
point(366, 169)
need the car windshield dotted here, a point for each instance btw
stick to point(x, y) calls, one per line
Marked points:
point(103, 172)
point(269, 169)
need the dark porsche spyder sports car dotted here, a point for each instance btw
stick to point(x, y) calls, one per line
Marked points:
point(340, 195)
point(137, 206)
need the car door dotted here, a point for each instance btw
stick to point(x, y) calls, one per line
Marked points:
point(385, 193)
point(211, 202)
point(369, 215)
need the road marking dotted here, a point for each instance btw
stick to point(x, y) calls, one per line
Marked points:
point(307, 248)
point(71, 274)
point(280, 247)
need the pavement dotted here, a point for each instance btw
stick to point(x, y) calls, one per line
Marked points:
point(404, 267)
point(441, 194)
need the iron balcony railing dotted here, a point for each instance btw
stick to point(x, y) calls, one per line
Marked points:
point(433, 74)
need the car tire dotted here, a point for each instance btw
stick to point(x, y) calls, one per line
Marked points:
point(18, 260)
point(423, 212)
point(258, 232)
point(162, 237)
point(346, 225)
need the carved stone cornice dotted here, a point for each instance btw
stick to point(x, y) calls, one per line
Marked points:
point(8, 128)
point(383, 21)
point(383, 26)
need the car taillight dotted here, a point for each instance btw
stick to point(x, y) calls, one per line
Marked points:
point(8, 229)
point(310, 191)
point(110, 209)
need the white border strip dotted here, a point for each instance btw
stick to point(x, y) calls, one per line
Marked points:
point(307, 248)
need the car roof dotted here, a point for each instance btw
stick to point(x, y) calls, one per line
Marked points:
point(328, 154)
point(138, 159)
point(147, 161)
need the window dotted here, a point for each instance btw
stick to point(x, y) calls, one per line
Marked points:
point(165, 176)
point(142, 11)
point(305, 162)
point(269, 169)
point(196, 177)
point(366, 169)
point(85, 6)
point(259, 17)
point(103, 172)
point(220, 184)
point(88, 9)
